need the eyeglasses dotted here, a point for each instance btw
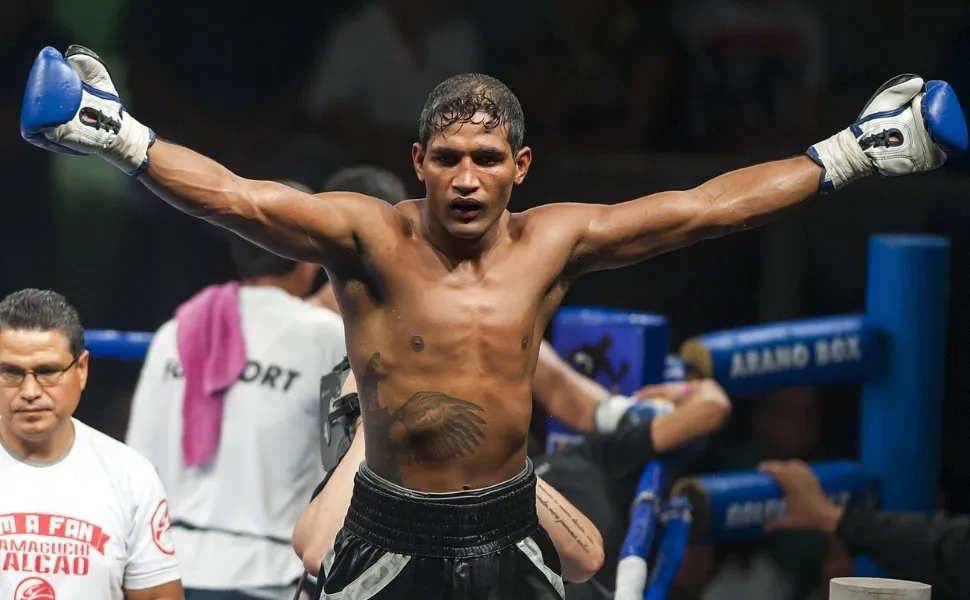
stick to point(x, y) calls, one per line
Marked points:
point(11, 376)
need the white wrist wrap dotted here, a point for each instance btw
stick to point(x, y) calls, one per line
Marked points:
point(609, 412)
point(129, 149)
point(843, 160)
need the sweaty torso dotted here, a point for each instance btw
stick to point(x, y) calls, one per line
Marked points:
point(444, 354)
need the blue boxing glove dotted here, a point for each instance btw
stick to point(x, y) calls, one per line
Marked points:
point(71, 106)
point(908, 126)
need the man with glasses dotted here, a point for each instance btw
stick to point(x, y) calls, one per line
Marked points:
point(81, 515)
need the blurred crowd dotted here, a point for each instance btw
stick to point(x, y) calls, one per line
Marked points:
point(298, 89)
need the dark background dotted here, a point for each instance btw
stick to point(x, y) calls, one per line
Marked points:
point(622, 99)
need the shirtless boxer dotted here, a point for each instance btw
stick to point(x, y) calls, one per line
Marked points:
point(445, 299)
point(580, 547)
point(621, 426)
point(625, 434)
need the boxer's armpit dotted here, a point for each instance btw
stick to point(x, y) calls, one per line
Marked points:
point(564, 519)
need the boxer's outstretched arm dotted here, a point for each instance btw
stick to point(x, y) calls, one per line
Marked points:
point(273, 215)
point(928, 112)
point(611, 236)
point(71, 105)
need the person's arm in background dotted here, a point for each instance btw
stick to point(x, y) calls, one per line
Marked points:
point(577, 540)
point(317, 527)
point(700, 409)
point(585, 405)
point(670, 420)
point(932, 549)
point(565, 393)
point(168, 591)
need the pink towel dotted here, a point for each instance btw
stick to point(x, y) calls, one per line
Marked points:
point(213, 356)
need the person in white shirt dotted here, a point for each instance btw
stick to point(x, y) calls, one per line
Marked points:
point(238, 478)
point(82, 517)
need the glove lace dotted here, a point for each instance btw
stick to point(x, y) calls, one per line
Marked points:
point(887, 138)
point(97, 119)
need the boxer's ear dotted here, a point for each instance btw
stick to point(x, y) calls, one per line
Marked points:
point(417, 157)
point(523, 160)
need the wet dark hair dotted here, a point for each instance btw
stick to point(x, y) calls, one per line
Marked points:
point(457, 100)
point(43, 310)
point(370, 181)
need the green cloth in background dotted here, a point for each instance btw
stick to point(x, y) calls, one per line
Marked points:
point(90, 195)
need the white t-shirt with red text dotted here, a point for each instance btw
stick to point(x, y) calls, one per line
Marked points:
point(86, 527)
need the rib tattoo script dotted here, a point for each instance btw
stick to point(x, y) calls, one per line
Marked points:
point(440, 427)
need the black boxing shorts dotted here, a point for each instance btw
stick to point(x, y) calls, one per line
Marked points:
point(398, 544)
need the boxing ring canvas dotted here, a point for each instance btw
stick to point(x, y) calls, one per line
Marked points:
point(896, 350)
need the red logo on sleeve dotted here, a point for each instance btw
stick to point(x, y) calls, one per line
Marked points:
point(34, 588)
point(162, 529)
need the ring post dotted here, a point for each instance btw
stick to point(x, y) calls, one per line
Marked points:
point(901, 423)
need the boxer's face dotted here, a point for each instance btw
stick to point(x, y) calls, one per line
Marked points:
point(469, 172)
point(33, 408)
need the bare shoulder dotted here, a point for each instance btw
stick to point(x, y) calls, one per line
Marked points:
point(369, 211)
point(561, 213)
point(352, 201)
point(565, 219)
